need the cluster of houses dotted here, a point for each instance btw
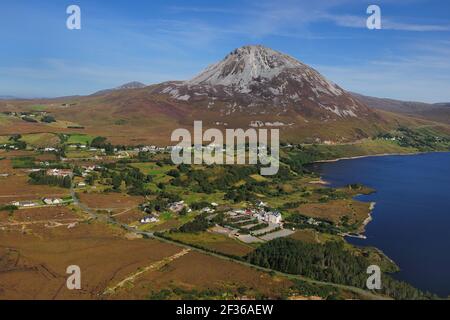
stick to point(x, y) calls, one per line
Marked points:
point(31, 203)
point(177, 207)
point(8, 146)
point(53, 201)
point(59, 172)
point(87, 170)
point(155, 149)
point(24, 204)
point(87, 148)
point(25, 114)
point(261, 214)
point(210, 210)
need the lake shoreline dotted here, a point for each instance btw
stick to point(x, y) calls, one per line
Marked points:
point(376, 155)
point(404, 187)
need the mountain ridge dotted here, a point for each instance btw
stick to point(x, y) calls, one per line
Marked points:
point(439, 112)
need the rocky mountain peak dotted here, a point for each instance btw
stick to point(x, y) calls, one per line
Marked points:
point(260, 80)
point(245, 65)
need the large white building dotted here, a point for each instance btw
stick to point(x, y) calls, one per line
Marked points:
point(270, 216)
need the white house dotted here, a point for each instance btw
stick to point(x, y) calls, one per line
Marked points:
point(207, 210)
point(149, 219)
point(270, 217)
point(52, 201)
point(274, 217)
point(261, 204)
point(59, 172)
point(177, 206)
point(25, 204)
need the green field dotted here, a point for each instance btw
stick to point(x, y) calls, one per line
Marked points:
point(191, 197)
point(78, 154)
point(80, 139)
point(41, 139)
point(214, 242)
point(38, 108)
point(152, 168)
point(4, 139)
point(3, 119)
point(23, 162)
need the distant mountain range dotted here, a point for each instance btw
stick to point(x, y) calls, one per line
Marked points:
point(8, 98)
point(437, 112)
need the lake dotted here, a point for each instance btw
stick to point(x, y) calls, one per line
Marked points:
point(411, 220)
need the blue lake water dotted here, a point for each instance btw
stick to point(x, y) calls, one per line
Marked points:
point(411, 221)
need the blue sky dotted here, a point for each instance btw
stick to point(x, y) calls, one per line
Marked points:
point(154, 41)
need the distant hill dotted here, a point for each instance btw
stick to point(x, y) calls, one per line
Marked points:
point(8, 98)
point(126, 86)
point(439, 112)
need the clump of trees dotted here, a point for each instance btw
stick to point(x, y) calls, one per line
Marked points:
point(329, 262)
point(300, 221)
point(40, 177)
point(199, 205)
point(118, 175)
point(16, 142)
point(199, 224)
point(29, 119)
point(161, 202)
point(102, 143)
point(11, 208)
point(48, 119)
